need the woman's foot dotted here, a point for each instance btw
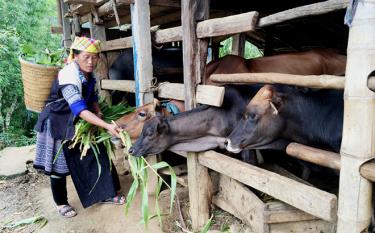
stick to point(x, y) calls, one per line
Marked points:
point(66, 211)
point(119, 199)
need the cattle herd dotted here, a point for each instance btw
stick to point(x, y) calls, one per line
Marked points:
point(251, 116)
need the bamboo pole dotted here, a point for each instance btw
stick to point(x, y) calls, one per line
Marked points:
point(358, 143)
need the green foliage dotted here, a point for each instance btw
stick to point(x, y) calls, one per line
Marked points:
point(251, 51)
point(45, 57)
point(21, 22)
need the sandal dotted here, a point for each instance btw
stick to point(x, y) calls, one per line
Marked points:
point(65, 210)
point(119, 199)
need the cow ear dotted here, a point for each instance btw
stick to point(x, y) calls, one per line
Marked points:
point(276, 103)
point(163, 127)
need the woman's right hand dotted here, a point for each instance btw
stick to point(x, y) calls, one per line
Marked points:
point(113, 130)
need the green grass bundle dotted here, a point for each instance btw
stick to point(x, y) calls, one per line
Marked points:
point(88, 136)
point(138, 169)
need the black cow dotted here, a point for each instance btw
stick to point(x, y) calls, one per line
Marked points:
point(277, 116)
point(200, 129)
point(166, 62)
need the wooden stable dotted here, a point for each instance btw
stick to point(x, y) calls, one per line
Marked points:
point(274, 26)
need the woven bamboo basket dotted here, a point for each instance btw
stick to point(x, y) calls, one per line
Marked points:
point(37, 81)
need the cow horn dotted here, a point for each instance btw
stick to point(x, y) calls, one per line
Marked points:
point(275, 111)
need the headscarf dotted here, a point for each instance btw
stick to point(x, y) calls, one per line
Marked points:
point(84, 44)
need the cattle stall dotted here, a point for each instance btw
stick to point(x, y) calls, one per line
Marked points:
point(274, 26)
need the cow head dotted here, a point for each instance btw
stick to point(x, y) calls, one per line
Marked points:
point(133, 122)
point(153, 139)
point(261, 123)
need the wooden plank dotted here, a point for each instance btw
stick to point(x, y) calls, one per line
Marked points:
point(206, 94)
point(238, 44)
point(238, 200)
point(168, 35)
point(314, 155)
point(140, 13)
point(200, 186)
point(303, 11)
point(367, 170)
point(67, 30)
point(312, 226)
point(278, 212)
point(312, 81)
point(227, 25)
point(358, 141)
point(167, 3)
point(311, 200)
point(119, 85)
point(121, 43)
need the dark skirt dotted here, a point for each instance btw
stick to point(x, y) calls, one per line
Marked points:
point(84, 174)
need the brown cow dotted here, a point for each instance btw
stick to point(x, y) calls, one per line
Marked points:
point(133, 122)
point(312, 62)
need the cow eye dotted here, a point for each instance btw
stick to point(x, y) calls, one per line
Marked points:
point(142, 114)
point(252, 115)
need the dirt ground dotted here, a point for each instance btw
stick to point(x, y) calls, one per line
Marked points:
point(29, 195)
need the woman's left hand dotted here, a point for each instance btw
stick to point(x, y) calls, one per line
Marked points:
point(113, 130)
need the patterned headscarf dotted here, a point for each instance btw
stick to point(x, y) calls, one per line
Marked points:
point(84, 44)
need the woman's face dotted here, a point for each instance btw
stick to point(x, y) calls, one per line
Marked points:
point(87, 61)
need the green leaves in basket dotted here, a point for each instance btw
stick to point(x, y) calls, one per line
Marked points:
point(46, 57)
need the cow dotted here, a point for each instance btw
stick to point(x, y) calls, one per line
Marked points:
point(277, 116)
point(199, 129)
point(133, 122)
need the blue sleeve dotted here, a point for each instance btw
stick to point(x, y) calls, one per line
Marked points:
point(78, 107)
point(74, 98)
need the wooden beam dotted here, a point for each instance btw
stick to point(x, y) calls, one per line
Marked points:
point(118, 85)
point(205, 94)
point(303, 11)
point(121, 43)
point(311, 200)
point(238, 44)
point(358, 138)
point(168, 35)
point(238, 200)
point(327, 159)
point(200, 187)
point(314, 155)
point(140, 13)
point(67, 29)
point(227, 25)
point(312, 81)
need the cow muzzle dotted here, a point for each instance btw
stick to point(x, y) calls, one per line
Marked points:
point(229, 146)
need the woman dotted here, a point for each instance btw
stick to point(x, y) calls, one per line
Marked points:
point(73, 96)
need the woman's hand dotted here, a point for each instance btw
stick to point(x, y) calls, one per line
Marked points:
point(113, 130)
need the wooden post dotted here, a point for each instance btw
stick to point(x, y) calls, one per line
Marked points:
point(101, 70)
point(140, 15)
point(198, 177)
point(141, 40)
point(358, 143)
point(67, 29)
point(238, 44)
